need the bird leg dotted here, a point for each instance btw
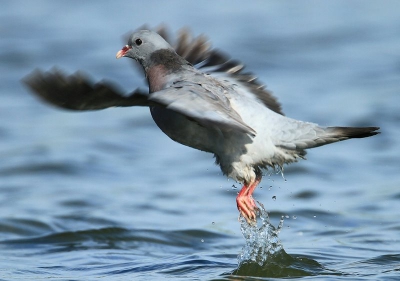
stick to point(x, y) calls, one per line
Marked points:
point(245, 202)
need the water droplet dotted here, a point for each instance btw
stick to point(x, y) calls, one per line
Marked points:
point(315, 216)
point(287, 216)
point(202, 240)
point(294, 217)
point(260, 187)
point(213, 222)
point(274, 197)
point(233, 186)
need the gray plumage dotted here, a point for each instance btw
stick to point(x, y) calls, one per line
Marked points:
point(213, 106)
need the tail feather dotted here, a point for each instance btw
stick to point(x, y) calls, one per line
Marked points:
point(334, 134)
point(344, 133)
point(318, 136)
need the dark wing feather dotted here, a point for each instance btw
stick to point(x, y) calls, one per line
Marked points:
point(199, 52)
point(78, 92)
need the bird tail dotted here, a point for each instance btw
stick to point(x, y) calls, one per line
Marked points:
point(344, 133)
point(329, 135)
point(290, 151)
point(319, 136)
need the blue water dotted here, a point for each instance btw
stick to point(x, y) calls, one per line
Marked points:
point(107, 196)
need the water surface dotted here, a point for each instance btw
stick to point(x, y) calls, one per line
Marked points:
point(106, 195)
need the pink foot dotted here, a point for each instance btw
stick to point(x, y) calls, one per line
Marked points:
point(245, 202)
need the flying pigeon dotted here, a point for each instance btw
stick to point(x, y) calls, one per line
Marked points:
point(201, 98)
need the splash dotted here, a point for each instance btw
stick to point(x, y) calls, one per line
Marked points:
point(263, 254)
point(262, 241)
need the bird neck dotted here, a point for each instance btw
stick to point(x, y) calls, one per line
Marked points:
point(167, 58)
point(160, 64)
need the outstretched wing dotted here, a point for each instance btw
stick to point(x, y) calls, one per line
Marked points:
point(78, 92)
point(207, 108)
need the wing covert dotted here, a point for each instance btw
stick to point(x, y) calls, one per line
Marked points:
point(203, 106)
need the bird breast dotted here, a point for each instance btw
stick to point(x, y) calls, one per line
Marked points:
point(156, 78)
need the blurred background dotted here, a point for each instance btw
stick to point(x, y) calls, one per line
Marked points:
point(106, 193)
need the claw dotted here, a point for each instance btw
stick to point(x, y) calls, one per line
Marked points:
point(246, 206)
point(251, 220)
point(245, 202)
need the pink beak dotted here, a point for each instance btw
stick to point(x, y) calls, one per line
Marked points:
point(123, 51)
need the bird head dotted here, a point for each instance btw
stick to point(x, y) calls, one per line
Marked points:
point(142, 44)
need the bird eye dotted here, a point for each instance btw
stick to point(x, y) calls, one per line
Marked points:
point(138, 42)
